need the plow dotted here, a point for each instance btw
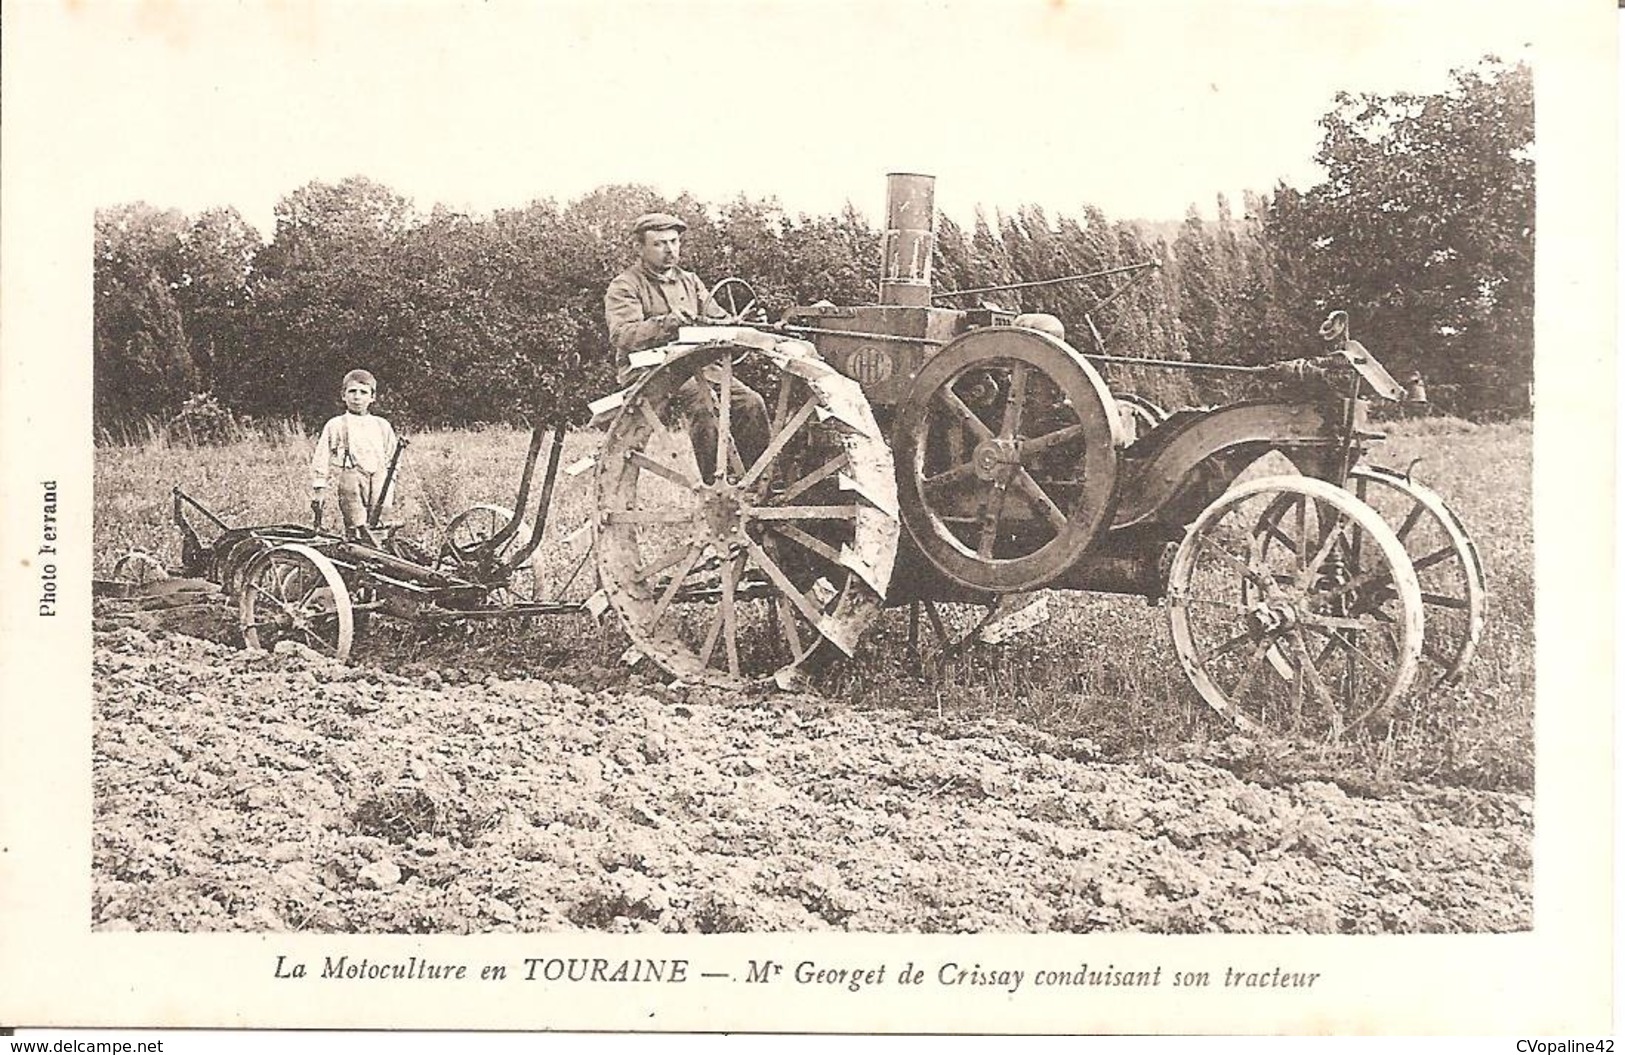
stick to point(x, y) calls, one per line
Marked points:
point(921, 453)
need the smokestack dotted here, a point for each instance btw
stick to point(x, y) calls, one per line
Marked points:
point(905, 251)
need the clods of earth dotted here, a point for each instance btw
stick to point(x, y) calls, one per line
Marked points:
point(250, 791)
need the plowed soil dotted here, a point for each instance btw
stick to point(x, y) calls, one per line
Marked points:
point(250, 791)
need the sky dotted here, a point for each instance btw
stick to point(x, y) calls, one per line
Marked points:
point(1141, 109)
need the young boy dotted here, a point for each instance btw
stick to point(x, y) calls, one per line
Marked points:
point(357, 446)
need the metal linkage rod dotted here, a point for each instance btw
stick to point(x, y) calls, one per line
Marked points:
point(1181, 364)
point(486, 548)
point(795, 328)
point(1124, 270)
point(181, 496)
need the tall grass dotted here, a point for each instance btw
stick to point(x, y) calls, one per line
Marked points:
point(1101, 670)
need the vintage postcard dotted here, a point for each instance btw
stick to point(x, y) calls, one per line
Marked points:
point(915, 517)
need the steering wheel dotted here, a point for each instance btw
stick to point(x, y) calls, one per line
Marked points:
point(738, 302)
point(1336, 327)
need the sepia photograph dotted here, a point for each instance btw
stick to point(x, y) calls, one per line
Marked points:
point(975, 501)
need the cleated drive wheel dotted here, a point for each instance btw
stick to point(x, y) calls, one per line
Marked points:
point(1007, 453)
point(1454, 586)
point(293, 592)
point(480, 523)
point(1294, 609)
point(755, 575)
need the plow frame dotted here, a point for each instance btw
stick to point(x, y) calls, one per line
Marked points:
point(368, 570)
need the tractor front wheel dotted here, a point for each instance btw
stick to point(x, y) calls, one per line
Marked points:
point(1294, 609)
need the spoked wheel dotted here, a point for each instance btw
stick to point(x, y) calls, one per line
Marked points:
point(1294, 608)
point(738, 300)
point(1007, 445)
point(1454, 586)
point(292, 592)
point(139, 569)
point(1448, 569)
point(787, 551)
point(479, 524)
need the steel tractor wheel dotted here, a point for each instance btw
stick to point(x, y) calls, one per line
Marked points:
point(1294, 608)
point(1007, 446)
point(783, 556)
point(1448, 570)
point(481, 522)
point(292, 592)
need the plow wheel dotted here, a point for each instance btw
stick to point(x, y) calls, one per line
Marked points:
point(139, 568)
point(236, 560)
point(292, 592)
point(1007, 454)
point(1294, 609)
point(1448, 569)
point(785, 554)
point(480, 523)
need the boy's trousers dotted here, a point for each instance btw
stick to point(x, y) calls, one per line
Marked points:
point(357, 491)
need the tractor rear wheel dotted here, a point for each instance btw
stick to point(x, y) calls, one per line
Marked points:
point(784, 554)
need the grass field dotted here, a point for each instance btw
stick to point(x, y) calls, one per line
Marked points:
point(1102, 669)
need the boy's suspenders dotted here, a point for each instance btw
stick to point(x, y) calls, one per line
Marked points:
point(348, 461)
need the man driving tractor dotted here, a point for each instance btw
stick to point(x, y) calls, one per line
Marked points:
point(645, 306)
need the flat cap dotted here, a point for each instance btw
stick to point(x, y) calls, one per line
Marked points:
point(657, 221)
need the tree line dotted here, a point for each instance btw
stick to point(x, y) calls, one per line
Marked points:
point(1422, 229)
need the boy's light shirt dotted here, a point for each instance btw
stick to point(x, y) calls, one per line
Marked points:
point(368, 440)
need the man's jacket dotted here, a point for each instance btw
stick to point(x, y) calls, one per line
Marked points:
point(640, 307)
